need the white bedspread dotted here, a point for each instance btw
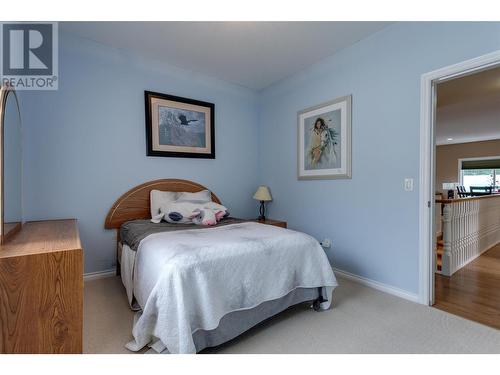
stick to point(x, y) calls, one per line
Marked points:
point(188, 280)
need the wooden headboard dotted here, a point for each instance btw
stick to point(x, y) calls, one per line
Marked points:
point(134, 204)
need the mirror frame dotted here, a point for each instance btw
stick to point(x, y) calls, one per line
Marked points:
point(5, 91)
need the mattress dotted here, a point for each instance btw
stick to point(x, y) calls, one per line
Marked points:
point(133, 232)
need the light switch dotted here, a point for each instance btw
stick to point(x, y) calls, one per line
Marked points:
point(408, 184)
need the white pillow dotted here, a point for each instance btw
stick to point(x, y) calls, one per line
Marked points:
point(159, 198)
point(198, 197)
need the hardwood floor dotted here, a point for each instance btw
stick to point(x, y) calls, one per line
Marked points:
point(474, 291)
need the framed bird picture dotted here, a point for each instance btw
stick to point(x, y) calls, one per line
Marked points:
point(179, 127)
point(324, 140)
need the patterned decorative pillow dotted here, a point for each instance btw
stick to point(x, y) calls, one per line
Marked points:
point(184, 212)
point(206, 216)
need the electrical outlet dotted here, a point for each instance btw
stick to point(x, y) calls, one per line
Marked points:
point(326, 243)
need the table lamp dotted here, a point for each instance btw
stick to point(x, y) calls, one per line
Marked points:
point(450, 187)
point(263, 195)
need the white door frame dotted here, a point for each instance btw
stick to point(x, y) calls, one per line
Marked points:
point(427, 162)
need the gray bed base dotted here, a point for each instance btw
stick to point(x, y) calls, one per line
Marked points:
point(238, 322)
point(235, 323)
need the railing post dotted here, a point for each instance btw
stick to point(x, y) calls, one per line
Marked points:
point(446, 259)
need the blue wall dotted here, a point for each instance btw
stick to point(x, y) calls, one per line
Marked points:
point(85, 143)
point(373, 222)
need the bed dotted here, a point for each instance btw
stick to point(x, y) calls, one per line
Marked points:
point(197, 287)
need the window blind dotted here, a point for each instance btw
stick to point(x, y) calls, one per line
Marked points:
point(481, 164)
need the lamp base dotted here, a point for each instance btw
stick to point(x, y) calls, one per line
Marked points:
point(262, 212)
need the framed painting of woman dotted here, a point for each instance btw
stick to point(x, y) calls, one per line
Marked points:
point(324, 140)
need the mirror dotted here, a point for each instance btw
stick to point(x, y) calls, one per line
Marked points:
point(11, 202)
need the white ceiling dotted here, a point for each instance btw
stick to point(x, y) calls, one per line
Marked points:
point(251, 54)
point(468, 108)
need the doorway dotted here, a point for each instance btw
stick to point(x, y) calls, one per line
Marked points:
point(429, 211)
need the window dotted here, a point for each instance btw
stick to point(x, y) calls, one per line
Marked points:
point(480, 173)
point(478, 177)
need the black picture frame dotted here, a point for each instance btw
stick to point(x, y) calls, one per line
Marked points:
point(150, 151)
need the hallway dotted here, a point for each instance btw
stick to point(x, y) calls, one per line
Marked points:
point(473, 292)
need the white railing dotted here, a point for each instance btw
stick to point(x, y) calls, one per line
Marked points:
point(470, 227)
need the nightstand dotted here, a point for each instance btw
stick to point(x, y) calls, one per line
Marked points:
point(276, 223)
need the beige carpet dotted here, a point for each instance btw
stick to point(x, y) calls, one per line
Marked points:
point(362, 320)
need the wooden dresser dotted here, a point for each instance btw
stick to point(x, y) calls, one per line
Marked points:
point(41, 289)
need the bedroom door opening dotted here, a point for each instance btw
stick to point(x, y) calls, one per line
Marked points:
point(430, 214)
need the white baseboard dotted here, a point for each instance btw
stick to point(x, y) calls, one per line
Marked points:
point(99, 274)
point(379, 286)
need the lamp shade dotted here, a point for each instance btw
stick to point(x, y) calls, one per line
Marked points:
point(263, 194)
point(450, 185)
